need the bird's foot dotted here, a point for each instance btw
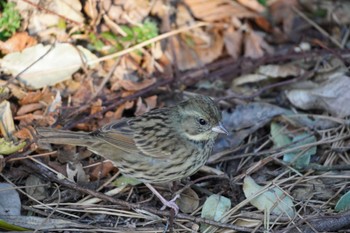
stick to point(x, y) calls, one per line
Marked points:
point(171, 204)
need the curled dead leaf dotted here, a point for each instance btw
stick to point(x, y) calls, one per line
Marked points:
point(189, 201)
point(18, 42)
point(136, 86)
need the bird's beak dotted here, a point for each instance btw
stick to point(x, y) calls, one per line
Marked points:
point(220, 129)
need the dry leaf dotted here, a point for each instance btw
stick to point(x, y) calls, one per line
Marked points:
point(96, 107)
point(25, 133)
point(233, 42)
point(332, 96)
point(34, 97)
point(269, 71)
point(127, 12)
point(252, 45)
point(216, 10)
point(76, 173)
point(101, 170)
point(201, 53)
point(54, 63)
point(84, 93)
point(35, 187)
point(24, 109)
point(253, 5)
point(282, 13)
point(136, 86)
point(141, 108)
point(40, 20)
point(18, 42)
point(273, 200)
point(188, 201)
point(7, 126)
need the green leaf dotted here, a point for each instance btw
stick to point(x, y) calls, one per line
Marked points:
point(278, 137)
point(300, 161)
point(272, 200)
point(214, 208)
point(7, 147)
point(343, 203)
point(124, 180)
point(9, 227)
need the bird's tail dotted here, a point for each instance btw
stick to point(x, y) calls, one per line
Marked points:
point(54, 136)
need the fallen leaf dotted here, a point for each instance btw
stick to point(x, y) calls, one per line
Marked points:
point(18, 42)
point(252, 5)
point(216, 10)
point(198, 51)
point(76, 173)
point(273, 200)
point(126, 12)
point(125, 180)
point(214, 208)
point(343, 203)
point(298, 158)
point(282, 13)
point(101, 170)
point(244, 121)
point(332, 96)
point(36, 188)
point(10, 203)
point(188, 201)
point(136, 86)
point(54, 63)
point(253, 45)
point(7, 125)
point(24, 109)
point(233, 42)
point(39, 20)
point(37, 96)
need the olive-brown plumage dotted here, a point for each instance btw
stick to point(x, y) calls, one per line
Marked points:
point(160, 146)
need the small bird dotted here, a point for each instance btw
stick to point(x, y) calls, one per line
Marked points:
point(159, 146)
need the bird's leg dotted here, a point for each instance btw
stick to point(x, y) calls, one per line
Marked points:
point(170, 204)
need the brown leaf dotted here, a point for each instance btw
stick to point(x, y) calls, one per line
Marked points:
point(253, 5)
point(24, 109)
point(189, 201)
point(141, 108)
point(216, 10)
point(24, 133)
point(84, 93)
point(233, 42)
point(203, 49)
point(18, 42)
point(282, 13)
point(96, 107)
point(101, 170)
point(252, 45)
point(35, 97)
point(125, 12)
point(136, 86)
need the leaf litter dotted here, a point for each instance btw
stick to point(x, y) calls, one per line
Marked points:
point(278, 69)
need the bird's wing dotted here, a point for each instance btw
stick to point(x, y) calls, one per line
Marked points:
point(119, 135)
point(132, 136)
point(151, 135)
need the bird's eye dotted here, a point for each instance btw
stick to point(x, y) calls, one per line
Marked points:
point(202, 121)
